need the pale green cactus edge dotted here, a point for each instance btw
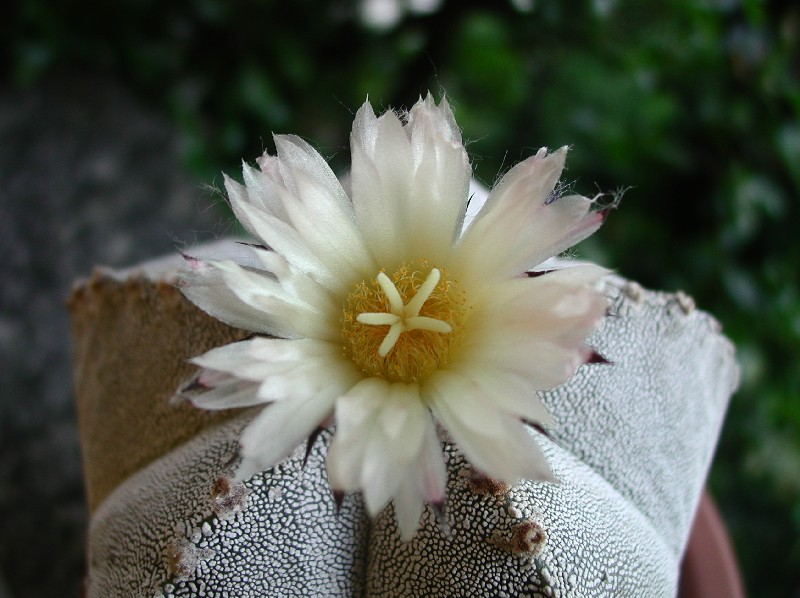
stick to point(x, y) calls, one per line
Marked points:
point(632, 448)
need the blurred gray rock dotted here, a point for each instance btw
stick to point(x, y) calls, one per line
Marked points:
point(87, 176)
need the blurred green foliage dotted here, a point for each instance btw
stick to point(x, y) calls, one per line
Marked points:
point(693, 104)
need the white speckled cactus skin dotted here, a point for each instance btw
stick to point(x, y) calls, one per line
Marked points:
point(632, 448)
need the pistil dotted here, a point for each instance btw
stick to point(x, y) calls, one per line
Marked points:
point(402, 318)
point(402, 325)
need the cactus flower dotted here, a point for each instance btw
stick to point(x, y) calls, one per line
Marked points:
point(377, 310)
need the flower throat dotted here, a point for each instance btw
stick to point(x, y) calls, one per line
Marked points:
point(402, 328)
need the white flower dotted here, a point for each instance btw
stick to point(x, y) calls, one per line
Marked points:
point(375, 310)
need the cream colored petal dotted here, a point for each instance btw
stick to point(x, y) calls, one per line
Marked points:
point(281, 427)
point(238, 196)
point(331, 229)
point(296, 157)
point(285, 240)
point(324, 219)
point(264, 191)
point(344, 462)
point(284, 369)
point(517, 198)
point(251, 285)
point(522, 298)
point(297, 283)
point(231, 395)
point(395, 418)
point(574, 214)
point(545, 364)
point(552, 308)
point(409, 504)
point(507, 391)
point(380, 177)
point(363, 455)
point(365, 130)
point(332, 376)
point(205, 286)
point(478, 194)
point(380, 475)
point(355, 413)
point(304, 349)
point(441, 179)
point(401, 421)
point(508, 457)
point(293, 316)
point(420, 482)
point(462, 394)
point(396, 460)
point(238, 359)
point(426, 115)
point(522, 224)
point(355, 408)
point(433, 474)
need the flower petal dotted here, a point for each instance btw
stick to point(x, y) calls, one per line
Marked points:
point(279, 429)
point(521, 223)
point(508, 456)
point(420, 483)
point(329, 232)
point(295, 282)
point(308, 378)
point(507, 391)
point(408, 507)
point(354, 414)
point(205, 286)
point(296, 157)
point(381, 172)
point(478, 194)
point(291, 314)
point(545, 364)
point(234, 394)
point(260, 191)
point(441, 178)
point(433, 474)
point(284, 239)
point(564, 306)
point(238, 359)
point(264, 186)
point(380, 433)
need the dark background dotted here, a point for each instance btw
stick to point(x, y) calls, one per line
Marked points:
point(117, 118)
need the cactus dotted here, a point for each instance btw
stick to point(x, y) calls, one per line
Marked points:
point(632, 446)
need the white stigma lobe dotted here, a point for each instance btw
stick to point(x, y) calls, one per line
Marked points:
point(403, 318)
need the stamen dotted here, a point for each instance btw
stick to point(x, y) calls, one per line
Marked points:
point(404, 317)
point(401, 326)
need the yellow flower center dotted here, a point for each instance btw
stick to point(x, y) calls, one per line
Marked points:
point(403, 328)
